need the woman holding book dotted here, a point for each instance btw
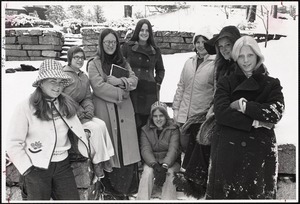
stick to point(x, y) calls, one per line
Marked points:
point(145, 58)
point(114, 106)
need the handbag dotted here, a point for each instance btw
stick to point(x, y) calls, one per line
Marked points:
point(206, 131)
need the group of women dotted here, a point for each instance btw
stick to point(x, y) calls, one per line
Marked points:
point(118, 121)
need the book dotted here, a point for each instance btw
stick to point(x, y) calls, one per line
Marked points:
point(118, 71)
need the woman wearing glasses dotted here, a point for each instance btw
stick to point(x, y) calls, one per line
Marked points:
point(79, 89)
point(145, 59)
point(114, 106)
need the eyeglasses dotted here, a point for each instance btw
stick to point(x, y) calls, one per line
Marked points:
point(113, 42)
point(77, 58)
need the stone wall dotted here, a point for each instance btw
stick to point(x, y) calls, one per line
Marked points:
point(169, 42)
point(286, 160)
point(30, 44)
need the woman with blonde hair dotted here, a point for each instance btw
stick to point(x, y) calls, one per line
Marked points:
point(247, 105)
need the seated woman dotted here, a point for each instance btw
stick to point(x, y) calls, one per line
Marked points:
point(79, 90)
point(160, 151)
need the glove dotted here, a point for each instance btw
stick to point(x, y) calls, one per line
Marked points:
point(114, 80)
point(157, 168)
point(160, 177)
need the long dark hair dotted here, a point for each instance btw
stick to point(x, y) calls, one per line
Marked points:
point(67, 106)
point(222, 66)
point(135, 36)
point(117, 57)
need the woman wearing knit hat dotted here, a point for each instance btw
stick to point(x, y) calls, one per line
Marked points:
point(111, 97)
point(193, 181)
point(160, 151)
point(79, 89)
point(47, 127)
point(247, 105)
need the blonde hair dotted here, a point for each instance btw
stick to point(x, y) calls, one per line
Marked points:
point(251, 42)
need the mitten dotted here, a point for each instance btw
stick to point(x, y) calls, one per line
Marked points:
point(160, 178)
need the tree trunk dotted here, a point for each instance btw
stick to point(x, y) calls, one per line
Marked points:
point(275, 11)
point(252, 13)
point(127, 11)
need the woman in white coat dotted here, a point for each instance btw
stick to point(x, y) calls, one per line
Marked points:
point(47, 128)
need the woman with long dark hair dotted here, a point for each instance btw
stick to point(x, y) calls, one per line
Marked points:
point(113, 105)
point(146, 61)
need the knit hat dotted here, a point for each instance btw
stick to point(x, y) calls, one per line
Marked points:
point(51, 69)
point(160, 105)
point(231, 32)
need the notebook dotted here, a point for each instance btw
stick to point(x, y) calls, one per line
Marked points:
point(118, 71)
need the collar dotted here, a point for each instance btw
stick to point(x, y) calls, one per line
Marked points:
point(68, 68)
point(137, 48)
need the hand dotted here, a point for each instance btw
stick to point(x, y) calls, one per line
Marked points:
point(114, 80)
point(235, 105)
point(125, 94)
point(160, 178)
point(89, 114)
point(157, 168)
point(266, 125)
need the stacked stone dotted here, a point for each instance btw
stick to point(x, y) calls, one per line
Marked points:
point(169, 42)
point(30, 44)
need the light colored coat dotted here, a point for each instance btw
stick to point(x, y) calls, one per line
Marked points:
point(195, 89)
point(31, 141)
point(105, 97)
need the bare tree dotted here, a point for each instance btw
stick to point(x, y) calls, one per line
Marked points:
point(99, 14)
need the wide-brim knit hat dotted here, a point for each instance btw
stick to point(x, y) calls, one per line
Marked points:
point(231, 32)
point(51, 69)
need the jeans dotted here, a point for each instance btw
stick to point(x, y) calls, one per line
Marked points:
point(146, 184)
point(56, 182)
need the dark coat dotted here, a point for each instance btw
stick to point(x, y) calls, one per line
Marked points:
point(244, 158)
point(144, 63)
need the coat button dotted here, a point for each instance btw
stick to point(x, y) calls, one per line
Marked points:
point(139, 69)
point(140, 58)
point(71, 127)
point(122, 120)
point(243, 144)
point(146, 70)
point(147, 60)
